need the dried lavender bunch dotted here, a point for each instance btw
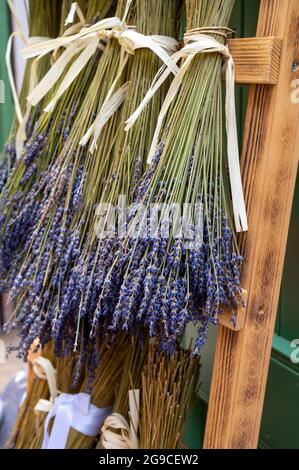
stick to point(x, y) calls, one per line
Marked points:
point(21, 198)
point(58, 283)
point(167, 390)
point(157, 285)
point(54, 200)
point(44, 19)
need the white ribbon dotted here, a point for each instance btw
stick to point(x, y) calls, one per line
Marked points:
point(72, 411)
point(202, 44)
point(130, 40)
point(128, 436)
point(84, 44)
point(134, 406)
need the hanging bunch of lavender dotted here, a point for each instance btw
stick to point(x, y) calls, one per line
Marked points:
point(44, 19)
point(161, 279)
point(21, 197)
point(38, 11)
point(34, 238)
point(51, 284)
point(114, 173)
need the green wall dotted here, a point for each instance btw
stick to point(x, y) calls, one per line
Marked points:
point(6, 109)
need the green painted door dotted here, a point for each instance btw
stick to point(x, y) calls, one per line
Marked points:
point(280, 423)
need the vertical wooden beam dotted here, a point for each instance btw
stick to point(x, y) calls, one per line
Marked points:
point(269, 165)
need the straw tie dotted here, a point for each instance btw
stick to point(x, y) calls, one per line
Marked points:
point(44, 369)
point(128, 438)
point(196, 42)
point(83, 43)
point(21, 132)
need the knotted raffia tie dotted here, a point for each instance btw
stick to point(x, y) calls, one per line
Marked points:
point(21, 132)
point(82, 41)
point(117, 433)
point(44, 369)
point(195, 42)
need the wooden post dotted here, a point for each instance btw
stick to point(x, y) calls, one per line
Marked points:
point(269, 165)
point(256, 59)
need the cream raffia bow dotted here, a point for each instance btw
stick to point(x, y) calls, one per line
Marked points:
point(44, 369)
point(83, 44)
point(21, 132)
point(198, 43)
point(115, 423)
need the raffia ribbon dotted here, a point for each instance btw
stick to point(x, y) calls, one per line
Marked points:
point(110, 106)
point(44, 369)
point(21, 132)
point(83, 44)
point(128, 437)
point(71, 15)
point(198, 43)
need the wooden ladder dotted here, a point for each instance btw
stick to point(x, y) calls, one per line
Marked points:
point(269, 63)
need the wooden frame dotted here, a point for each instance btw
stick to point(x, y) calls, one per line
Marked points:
point(269, 166)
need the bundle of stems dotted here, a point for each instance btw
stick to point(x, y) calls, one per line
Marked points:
point(102, 387)
point(20, 201)
point(59, 280)
point(168, 387)
point(158, 282)
point(107, 377)
point(130, 380)
point(131, 377)
point(65, 370)
point(25, 425)
point(43, 19)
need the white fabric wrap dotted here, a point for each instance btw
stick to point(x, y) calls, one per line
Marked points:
point(72, 411)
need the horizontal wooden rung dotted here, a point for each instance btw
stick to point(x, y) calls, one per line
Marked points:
point(225, 318)
point(256, 59)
